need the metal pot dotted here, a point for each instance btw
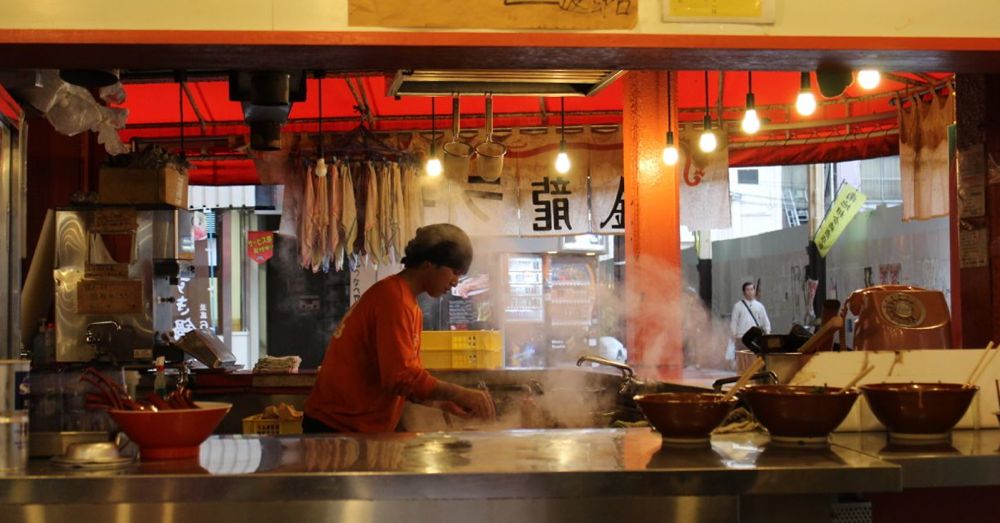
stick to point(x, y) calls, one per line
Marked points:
point(783, 364)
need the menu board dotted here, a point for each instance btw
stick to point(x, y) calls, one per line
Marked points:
point(461, 311)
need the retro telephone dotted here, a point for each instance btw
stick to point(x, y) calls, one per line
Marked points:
point(898, 317)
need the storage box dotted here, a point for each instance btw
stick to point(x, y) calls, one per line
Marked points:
point(257, 424)
point(461, 349)
point(166, 185)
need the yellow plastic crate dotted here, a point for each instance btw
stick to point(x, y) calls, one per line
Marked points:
point(461, 349)
point(256, 424)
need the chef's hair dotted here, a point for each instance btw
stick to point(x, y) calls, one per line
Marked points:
point(745, 285)
point(441, 244)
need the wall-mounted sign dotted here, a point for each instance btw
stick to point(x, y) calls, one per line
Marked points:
point(109, 297)
point(847, 204)
point(731, 11)
point(497, 14)
point(115, 221)
point(260, 245)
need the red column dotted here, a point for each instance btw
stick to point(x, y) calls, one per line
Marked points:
point(652, 228)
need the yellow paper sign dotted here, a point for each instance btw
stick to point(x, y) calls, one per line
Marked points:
point(847, 204)
point(723, 8)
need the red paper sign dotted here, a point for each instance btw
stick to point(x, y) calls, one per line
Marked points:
point(260, 245)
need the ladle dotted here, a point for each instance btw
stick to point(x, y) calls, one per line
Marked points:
point(489, 154)
point(744, 378)
point(856, 379)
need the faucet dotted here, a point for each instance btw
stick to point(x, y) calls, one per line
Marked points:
point(627, 372)
point(629, 382)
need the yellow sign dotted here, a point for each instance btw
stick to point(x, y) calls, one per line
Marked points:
point(845, 207)
point(495, 14)
point(716, 8)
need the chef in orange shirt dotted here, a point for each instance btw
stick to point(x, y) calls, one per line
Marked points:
point(372, 363)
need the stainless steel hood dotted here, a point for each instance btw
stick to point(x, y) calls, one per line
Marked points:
point(514, 82)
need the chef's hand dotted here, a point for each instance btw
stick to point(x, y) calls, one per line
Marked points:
point(464, 402)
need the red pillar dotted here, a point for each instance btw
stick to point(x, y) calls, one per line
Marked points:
point(652, 227)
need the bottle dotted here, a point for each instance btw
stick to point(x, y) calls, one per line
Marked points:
point(160, 383)
point(132, 382)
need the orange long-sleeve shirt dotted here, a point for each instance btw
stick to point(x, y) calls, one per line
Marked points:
point(372, 363)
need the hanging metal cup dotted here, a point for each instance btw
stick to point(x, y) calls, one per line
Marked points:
point(456, 153)
point(489, 161)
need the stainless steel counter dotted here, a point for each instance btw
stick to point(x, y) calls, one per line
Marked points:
point(529, 475)
point(971, 459)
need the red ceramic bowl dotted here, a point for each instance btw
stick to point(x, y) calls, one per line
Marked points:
point(171, 434)
point(800, 413)
point(684, 416)
point(919, 408)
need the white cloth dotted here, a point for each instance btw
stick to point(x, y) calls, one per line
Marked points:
point(742, 320)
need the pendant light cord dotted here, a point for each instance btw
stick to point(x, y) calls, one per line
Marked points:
point(669, 111)
point(180, 105)
point(706, 95)
point(320, 75)
point(562, 125)
point(433, 127)
point(750, 82)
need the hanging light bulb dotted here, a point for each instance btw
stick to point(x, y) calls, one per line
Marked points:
point(751, 122)
point(707, 142)
point(433, 167)
point(670, 154)
point(805, 104)
point(321, 163)
point(869, 78)
point(562, 159)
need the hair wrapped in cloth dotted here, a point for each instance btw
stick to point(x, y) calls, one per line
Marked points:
point(440, 244)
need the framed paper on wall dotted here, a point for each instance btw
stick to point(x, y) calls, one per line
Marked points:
point(725, 11)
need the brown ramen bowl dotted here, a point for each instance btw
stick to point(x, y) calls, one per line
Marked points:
point(684, 416)
point(800, 413)
point(919, 408)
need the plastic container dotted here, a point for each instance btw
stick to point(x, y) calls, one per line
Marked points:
point(461, 349)
point(259, 425)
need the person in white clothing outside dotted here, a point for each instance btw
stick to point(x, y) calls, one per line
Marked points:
point(748, 313)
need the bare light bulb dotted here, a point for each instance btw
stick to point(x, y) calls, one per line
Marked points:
point(805, 104)
point(562, 159)
point(707, 142)
point(433, 167)
point(751, 122)
point(321, 167)
point(562, 163)
point(670, 154)
point(869, 78)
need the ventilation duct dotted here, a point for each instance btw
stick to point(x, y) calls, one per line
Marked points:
point(513, 82)
point(267, 98)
